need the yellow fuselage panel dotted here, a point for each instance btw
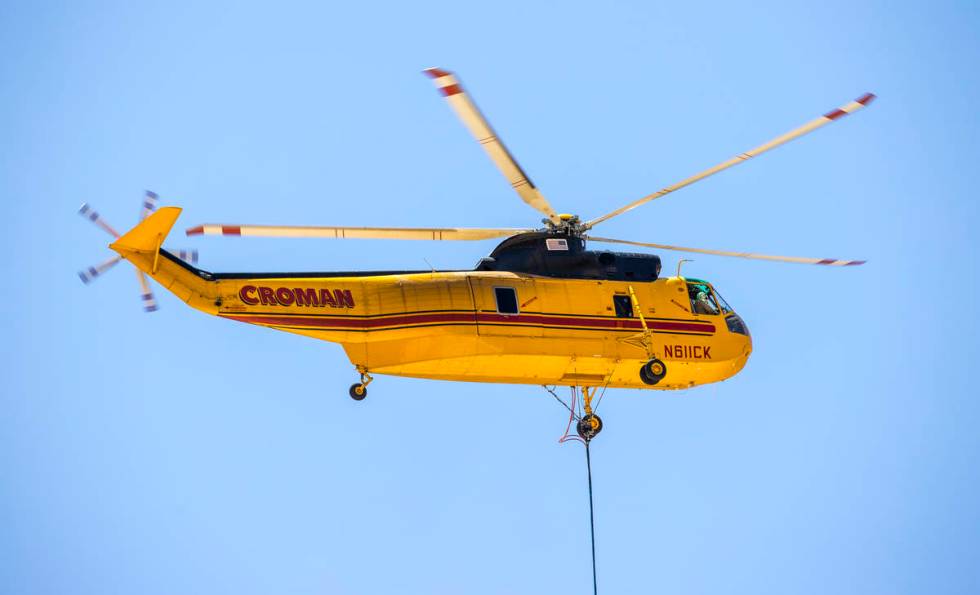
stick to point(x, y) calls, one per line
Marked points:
point(447, 326)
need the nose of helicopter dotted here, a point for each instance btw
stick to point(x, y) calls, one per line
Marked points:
point(740, 332)
point(737, 327)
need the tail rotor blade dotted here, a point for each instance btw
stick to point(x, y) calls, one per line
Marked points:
point(149, 302)
point(189, 256)
point(89, 213)
point(149, 204)
point(89, 274)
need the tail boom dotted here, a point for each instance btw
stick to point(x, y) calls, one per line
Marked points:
point(142, 247)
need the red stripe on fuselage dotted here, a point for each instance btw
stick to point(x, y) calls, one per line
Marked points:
point(340, 322)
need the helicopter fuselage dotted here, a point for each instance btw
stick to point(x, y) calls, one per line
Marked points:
point(541, 320)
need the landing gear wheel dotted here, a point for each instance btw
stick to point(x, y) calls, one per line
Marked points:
point(358, 392)
point(589, 426)
point(653, 371)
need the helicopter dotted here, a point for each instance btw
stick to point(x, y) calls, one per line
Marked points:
point(541, 309)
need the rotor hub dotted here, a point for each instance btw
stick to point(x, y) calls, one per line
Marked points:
point(567, 224)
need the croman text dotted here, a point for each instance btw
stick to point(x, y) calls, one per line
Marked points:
point(296, 296)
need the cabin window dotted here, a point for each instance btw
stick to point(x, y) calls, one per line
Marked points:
point(506, 299)
point(623, 305)
point(702, 300)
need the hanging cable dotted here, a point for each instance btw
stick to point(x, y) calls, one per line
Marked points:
point(557, 398)
point(602, 394)
point(572, 417)
point(588, 465)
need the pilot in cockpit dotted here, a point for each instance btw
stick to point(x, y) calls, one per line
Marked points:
point(701, 300)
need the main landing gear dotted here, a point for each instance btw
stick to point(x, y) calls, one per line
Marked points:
point(653, 371)
point(359, 391)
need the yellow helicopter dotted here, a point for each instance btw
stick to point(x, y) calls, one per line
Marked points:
point(540, 309)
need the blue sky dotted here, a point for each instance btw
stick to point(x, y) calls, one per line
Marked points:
point(177, 453)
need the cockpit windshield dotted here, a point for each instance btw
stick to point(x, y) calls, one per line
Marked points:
point(721, 302)
point(704, 300)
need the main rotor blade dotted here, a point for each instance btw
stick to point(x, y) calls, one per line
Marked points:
point(89, 274)
point(823, 120)
point(389, 233)
point(796, 259)
point(459, 100)
point(149, 302)
point(149, 204)
point(89, 213)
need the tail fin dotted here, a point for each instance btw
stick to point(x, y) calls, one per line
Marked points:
point(148, 236)
point(141, 246)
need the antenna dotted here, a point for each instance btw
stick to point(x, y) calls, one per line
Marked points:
point(680, 262)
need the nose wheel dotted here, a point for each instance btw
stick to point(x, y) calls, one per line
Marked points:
point(358, 391)
point(653, 371)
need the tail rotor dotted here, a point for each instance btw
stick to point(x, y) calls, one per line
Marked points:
point(146, 293)
point(89, 213)
point(149, 301)
point(188, 256)
point(89, 274)
point(149, 204)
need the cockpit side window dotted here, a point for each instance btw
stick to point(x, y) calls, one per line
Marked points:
point(702, 300)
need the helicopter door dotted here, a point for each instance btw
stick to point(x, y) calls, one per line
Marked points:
point(505, 307)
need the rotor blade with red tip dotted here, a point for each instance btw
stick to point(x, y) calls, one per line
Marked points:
point(823, 120)
point(388, 233)
point(146, 294)
point(149, 204)
point(796, 259)
point(89, 274)
point(89, 213)
point(459, 100)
